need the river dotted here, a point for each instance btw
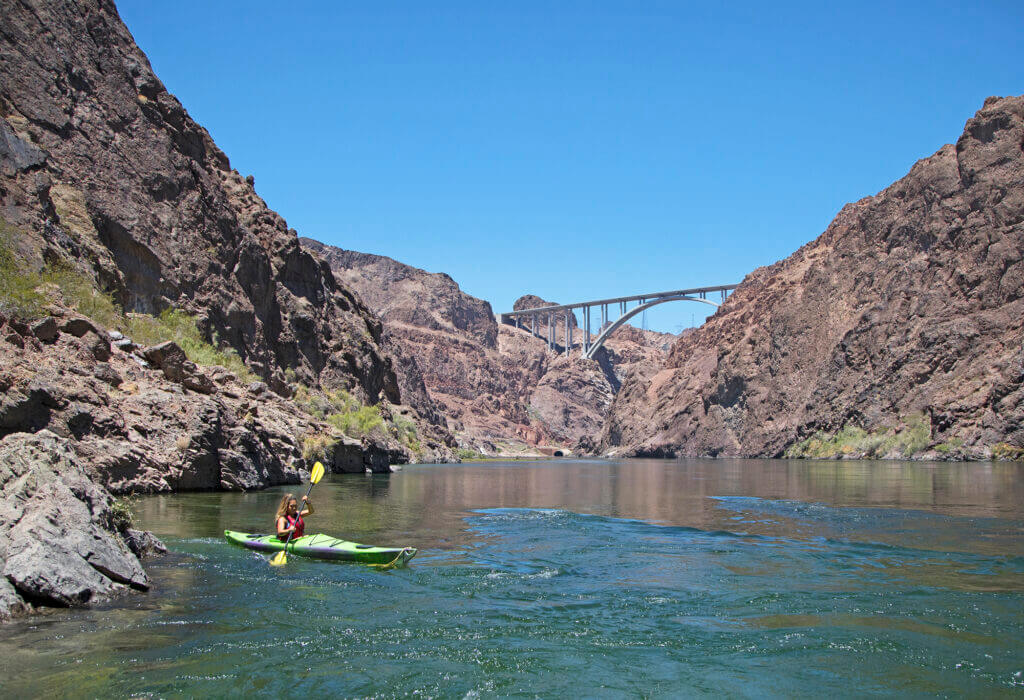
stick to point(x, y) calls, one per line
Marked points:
point(595, 578)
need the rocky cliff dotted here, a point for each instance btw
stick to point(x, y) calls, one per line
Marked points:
point(103, 170)
point(499, 386)
point(897, 332)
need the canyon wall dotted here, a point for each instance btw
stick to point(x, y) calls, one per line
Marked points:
point(499, 386)
point(898, 331)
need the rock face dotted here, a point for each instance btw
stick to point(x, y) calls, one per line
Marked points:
point(453, 343)
point(103, 170)
point(907, 310)
point(148, 420)
point(102, 167)
point(498, 386)
point(403, 295)
point(62, 542)
point(572, 398)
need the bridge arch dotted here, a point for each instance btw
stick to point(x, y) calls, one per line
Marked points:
point(554, 312)
point(590, 351)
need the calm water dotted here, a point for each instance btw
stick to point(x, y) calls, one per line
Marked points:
point(586, 578)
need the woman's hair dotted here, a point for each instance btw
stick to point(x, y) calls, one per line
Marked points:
point(282, 507)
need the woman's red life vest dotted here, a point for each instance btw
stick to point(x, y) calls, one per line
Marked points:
point(300, 527)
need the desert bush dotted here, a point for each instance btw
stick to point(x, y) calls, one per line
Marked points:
point(1007, 452)
point(914, 436)
point(179, 326)
point(341, 410)
point(318, 445)
point(363, 421)
point(951, 445)
point(121, 514)
point(78, 291)
point(405, 431)
point(19, 285)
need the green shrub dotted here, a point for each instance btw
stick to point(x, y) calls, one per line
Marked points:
point(19, 285)
point(79, 292)
point(464, 453)
point(914, 436)
point(1006, 452)
point(341, 410)
point(121, 514)
point(405, 431)
point(363, 421)
point(179, 326)
point(321, 404)
point(951, 445)
point(317, 445)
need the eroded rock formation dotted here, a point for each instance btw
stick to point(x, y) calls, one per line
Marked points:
point(146, 420)
point(498, 385)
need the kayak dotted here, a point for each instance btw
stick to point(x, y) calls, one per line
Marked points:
point(325, 547)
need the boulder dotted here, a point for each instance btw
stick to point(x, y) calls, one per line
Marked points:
point(168, 357)
point(78, 326)
point(45, 329)
point(176, 366)
point(108, 374)
point(143, 543)
point(60, 542)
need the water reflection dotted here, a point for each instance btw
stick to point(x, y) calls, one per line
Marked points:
point(426, 505)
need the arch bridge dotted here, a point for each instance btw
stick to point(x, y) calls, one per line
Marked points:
point(534, 319)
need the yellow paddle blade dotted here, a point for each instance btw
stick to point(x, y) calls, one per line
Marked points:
point(279, 559)
point(317, 473)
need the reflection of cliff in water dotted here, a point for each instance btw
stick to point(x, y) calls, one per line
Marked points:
point(687, 492)
point(427, 505)
point(667, 491)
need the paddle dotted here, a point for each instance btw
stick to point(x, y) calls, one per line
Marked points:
point(280, 559)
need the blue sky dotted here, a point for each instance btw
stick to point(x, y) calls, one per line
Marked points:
point(578, 150)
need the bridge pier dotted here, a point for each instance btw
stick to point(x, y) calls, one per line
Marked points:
point(589, 345)
point(586, 329)
point(568, 337)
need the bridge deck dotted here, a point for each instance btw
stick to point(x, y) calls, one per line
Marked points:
point(617, 300)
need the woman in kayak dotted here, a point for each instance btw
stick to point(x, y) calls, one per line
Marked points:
point(289, 518)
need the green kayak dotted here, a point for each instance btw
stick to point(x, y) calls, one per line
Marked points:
point(325, 547)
